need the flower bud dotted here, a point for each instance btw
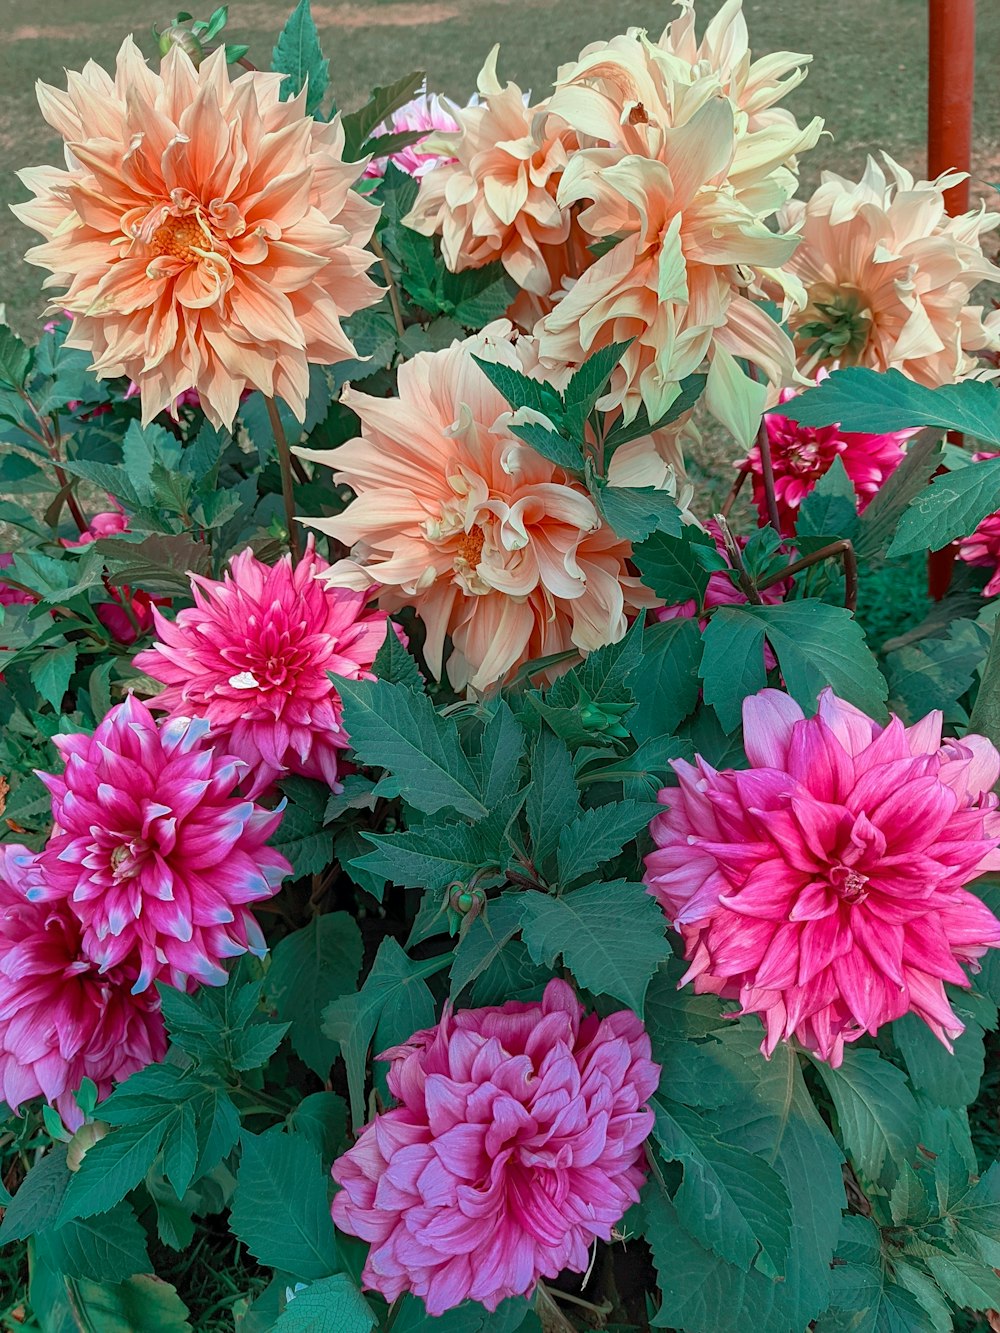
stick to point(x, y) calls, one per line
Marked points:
point(83, 1140)
point(178, 35)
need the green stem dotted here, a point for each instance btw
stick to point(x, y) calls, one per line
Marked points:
point(285, 464)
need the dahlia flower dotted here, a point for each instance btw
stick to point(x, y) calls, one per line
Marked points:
point(888, 276)
point(982, 547)
point(61, 1019)
point(154, 852)
point(801, 455)
point(516, 1143)
point(9, 595)
point(495, 199)
point(205, 232)
point(492, 544)
point(253, 657)
point(425, 113)
point(824, 887)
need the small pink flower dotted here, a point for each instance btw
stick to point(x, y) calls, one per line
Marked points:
point(824, 887)
point(516, 1143)
point(155, 853)
point(983, 546)
point(427, 113)
point(801, 455)
point(254, 657)
point(10, 596)
point(61, 1019)
point(106, 524)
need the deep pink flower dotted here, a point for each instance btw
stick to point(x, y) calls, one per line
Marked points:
point(61, 1020)
point(427, 113)
point(824, 886)
point(983, 546)
point(517, 1141)
point(802, 454)
point(12, 596)
point(721, 590)
point(107, 524)
point(254, 655)
point(156, 854)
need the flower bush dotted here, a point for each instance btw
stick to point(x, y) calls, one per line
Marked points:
point(453, 871)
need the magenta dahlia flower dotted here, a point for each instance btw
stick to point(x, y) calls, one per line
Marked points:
point(517, 1141)
point(61, 1019)
point(254, 657)
point(824, 887)
point(982, 547)
point(156, 855)
point(802, 454)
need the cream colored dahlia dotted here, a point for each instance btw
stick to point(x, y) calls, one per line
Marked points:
point(496, 200)
point(203, 234)
point(495, 547)
point(888, 276)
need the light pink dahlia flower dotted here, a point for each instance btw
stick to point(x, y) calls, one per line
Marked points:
point(494, 546)
point(61, 1019)
point(156, 855)
point(824, 887)
point(982, 547)
point(204, 233)
point(801, 455)
point(253, 657)
point(427, 113)
point(516, 1143)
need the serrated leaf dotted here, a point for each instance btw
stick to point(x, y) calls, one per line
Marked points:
point(876, 1111)
point(143, 1302)
point(948, 1079)
point(589, 382)
point(298, 55)
point(691, 389)
point(497, 766)
point(952, 506)
point(392, 727)
point(111, 1248)
point(51, 672)
point(610, 936)
point(730, 1200)
point(180, 1153)
point(429, 857)
point(36, 1204)
point(636, 511)
point(322, 1119)
point(112, 1168)
point(674, 568)
point(732, 663)
point(309, 968)
point(254, 1047)
point(360, 124)
point(598, 834)
point(394, 664)
point(518, 389)
point(550, 444)
point(332, 1305)
point(15, 359)
point(830, 510)
point(863, 1298)
point(280, 1210)
point(553, 800)
point(985, 719)
point(881, 517)
point(394, 1001)
point(967, 1280)
point(485, 939)
point(672, 652)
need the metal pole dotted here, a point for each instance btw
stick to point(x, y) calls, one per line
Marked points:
point(951, 80)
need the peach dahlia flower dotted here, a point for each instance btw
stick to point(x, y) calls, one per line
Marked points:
point(492, 544)
point(496, 198)
point(888, 276)
point(203, 234)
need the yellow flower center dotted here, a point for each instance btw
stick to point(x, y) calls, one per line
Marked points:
point(470, 547)
point(180, 237)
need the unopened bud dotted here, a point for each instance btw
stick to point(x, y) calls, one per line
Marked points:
point(83, 1140)
point(177, 35)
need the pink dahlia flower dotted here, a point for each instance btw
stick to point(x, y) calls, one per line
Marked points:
point(981, 548)
point(204, 231)
point(802, 454)
point(10, 596)
point(107, 524)
point(155, 853)
point(517, 1141)
point(254, 657)
point(425, 113)
point(61, 1019)
point(824, 887)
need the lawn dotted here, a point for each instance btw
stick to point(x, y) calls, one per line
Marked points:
point(868, 77)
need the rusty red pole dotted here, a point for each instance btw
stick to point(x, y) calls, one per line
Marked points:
point(951, 79)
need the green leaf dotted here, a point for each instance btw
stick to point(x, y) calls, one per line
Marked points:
point(112, 1168)
point(485, 939)
point(332, 1305)
point(985, 719)
point(394, 1000)
point(553, 800)
point(610, 936)
point(732, 664)
point(876, 1111)
point(550, 444)
point(952, 506)
point(935, 672)
point(519, 389)
point(143, 1302)
point(730, 1200)
point(948, 1079)
point(299, 56)
point(36, 1204)
point(589, 383)
point(309, 968)
point(358, 125)
point(513, 1315)
point(598, 834)
point(863, 1298)
point(691, 389)
point(967, 1280)
point(51, 672)
point(479, 296)
point(394, 663)
point(672, 652)
point(605, 675)
point(675, 567)
point(280, 1210)
point(15, 359)
point(831, 509)
point(110, 1248)
point(497, 766)
point(322, 1119)
point(429, 857)
point(392, 727)
point(636, 511)
point(878, 403)
point(881, 517)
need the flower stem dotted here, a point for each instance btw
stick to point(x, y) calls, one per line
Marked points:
point(844, 549)
point(285, 464)
point(397, 309)
point(766, 466)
